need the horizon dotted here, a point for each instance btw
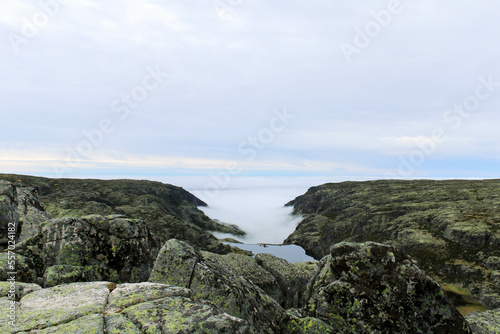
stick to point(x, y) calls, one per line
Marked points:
point(222, 91)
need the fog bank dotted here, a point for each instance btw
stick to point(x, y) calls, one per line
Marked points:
point(260, 212)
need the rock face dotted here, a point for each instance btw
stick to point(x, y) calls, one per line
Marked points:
point(169, 211)
point(31, 212)
point(358, 288)
point(25, 268)
point(92, 248)
point(281, 280)
point(484, 322)
point(368, 288)
point(291, 280)
point(101, 307)
point(180, 264)
point(9, 216)
point(452, 228)
point(246, 266)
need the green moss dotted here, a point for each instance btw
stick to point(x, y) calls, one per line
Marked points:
point(306, 325)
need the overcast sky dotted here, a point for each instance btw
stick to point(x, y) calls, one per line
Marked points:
point(142, 88)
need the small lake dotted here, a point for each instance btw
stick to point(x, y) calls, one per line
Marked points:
point(291, 253)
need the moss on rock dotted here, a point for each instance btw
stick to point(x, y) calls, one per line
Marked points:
point(92, 248)
point(180, 264)
point(248, 267)
point(370, 287)
point(484, 322)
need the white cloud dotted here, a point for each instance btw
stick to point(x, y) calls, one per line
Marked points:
point(227, 76)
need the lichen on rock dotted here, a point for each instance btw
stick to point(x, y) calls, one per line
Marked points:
point(371, 287)
point(92, 248)
point(9, 216)
point(484, 322)
point(180, 264)
point(128, 308)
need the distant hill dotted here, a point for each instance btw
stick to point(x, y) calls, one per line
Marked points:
point(169, 211)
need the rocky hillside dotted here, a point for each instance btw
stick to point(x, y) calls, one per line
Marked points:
point(452, 228)
point(168, 211)
point(106, 272)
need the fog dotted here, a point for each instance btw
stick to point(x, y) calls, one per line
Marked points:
point(260, 212)
point(255, 204)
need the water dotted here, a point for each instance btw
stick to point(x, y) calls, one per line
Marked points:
point(291, 253)
point(261, 213)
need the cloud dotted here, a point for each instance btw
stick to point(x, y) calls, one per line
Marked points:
point(226, 76)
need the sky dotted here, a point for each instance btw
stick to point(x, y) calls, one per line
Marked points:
point(214, 90)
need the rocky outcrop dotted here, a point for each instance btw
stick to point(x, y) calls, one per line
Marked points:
point(180, 264)
point(24, 267)
point(358, 288)
point(92, 248)
point(484, 322)
point(31, 212)
point(9, 216)
point(168, 211)
point(104, 307)
point(246, 266)
point(291, 280)
point(281, 280)
point(370, 288)
point(450, 227)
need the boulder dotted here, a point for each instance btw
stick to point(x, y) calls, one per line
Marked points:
point(23, 267)
point(248, 267)
point(62, 273)
point(159, 308)
point(375, 288)
point(292, 280)
point(104, 307)
point(92, 248)
point(175, 264)
point(62, 309)
point(484, 322)
point(178, 263)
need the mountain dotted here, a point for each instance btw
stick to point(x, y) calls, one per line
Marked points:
point(451, 227)
point(168, 211)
